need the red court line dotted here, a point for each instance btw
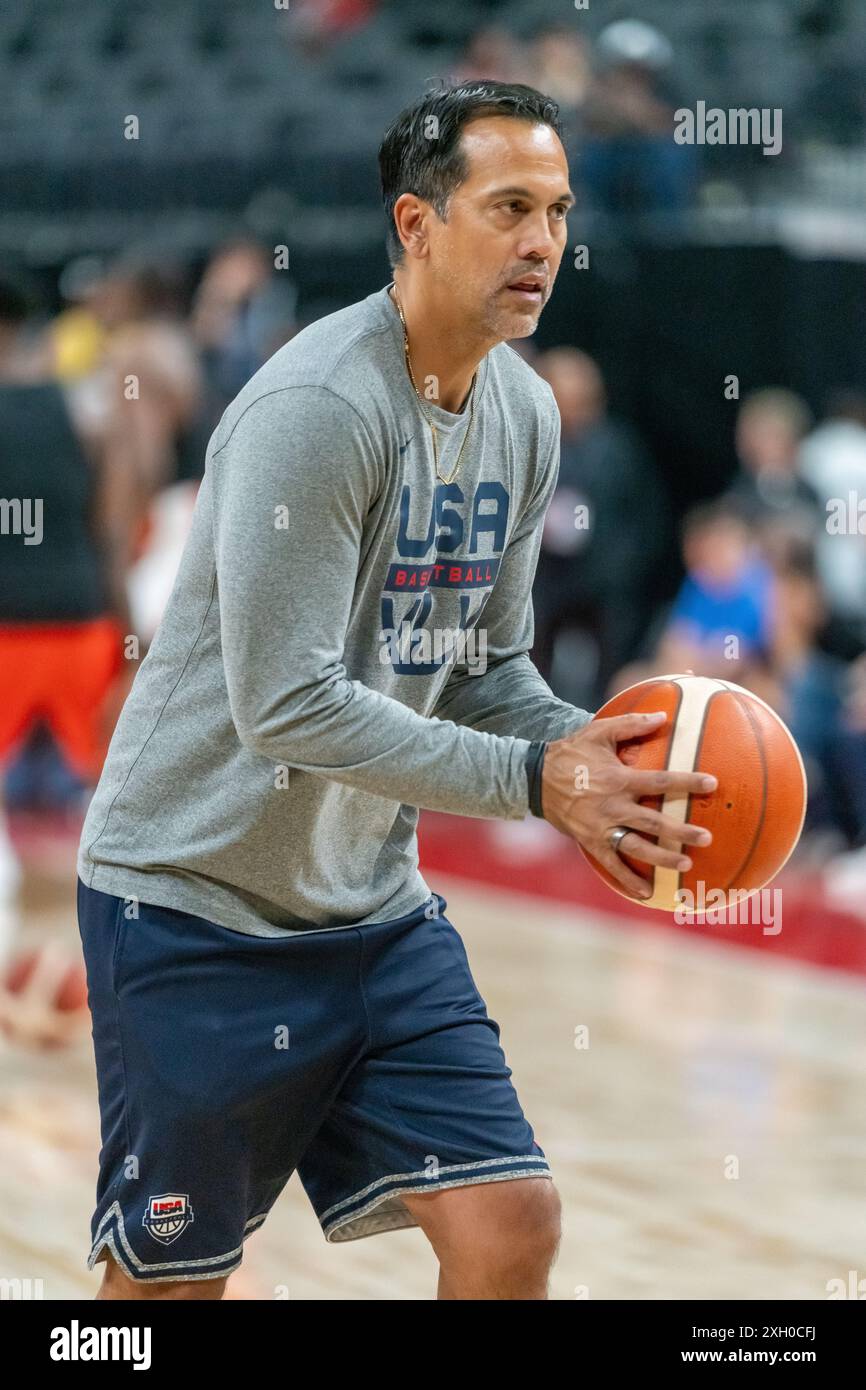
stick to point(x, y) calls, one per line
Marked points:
point(812, 930)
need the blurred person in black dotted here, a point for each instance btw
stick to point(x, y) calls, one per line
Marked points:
point(605, 528)
point(64, 543)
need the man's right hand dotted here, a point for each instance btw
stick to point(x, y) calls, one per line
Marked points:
point(586, 791)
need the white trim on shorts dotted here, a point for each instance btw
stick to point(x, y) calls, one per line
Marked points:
point(105, 1239)
point(369, 1220)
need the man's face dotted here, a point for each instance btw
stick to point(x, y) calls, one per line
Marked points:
point(505, 222)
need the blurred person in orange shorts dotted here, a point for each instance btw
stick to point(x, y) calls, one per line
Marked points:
point(66, 521)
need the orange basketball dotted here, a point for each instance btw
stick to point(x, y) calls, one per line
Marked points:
point(756, 813)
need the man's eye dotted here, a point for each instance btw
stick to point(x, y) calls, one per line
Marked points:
point(559, 208)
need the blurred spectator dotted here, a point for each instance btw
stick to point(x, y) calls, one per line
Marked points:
point(77, 337)
point(243, 311)
point(630, 163)
point(833, 461)
point(148, 404)
point(768, 485)
point(755, 617)
point(560, 66)
point(90, 550)
point(144, 392)
point(492, 52)
point(845, 874)
point(853, 749)
point(809, 689)
point(63, 609)
point(856, 695)
point(604, 528)
point(719, 621)
point(315, 24)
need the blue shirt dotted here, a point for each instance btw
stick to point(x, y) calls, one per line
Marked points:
point(740, 609)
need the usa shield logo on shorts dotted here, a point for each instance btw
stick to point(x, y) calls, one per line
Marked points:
point(167, 1216)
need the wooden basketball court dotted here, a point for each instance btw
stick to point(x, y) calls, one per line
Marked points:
point(701, 1107)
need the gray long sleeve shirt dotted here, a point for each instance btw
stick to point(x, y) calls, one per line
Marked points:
point(313, 681)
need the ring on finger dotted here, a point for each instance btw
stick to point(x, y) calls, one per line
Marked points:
point(616, 835)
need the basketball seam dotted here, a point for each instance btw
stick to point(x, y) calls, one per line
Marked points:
point(764, 794)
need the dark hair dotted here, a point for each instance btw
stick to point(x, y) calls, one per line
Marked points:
point(431, 167)
point(717, 509)
point(159, 281)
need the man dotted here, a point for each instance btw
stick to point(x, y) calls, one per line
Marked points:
point(274, 986)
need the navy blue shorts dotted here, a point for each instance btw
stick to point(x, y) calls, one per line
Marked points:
point(363, 1057)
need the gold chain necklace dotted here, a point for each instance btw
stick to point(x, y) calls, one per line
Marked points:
point(430, 422)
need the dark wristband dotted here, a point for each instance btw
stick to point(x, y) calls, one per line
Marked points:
point(534, 764)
